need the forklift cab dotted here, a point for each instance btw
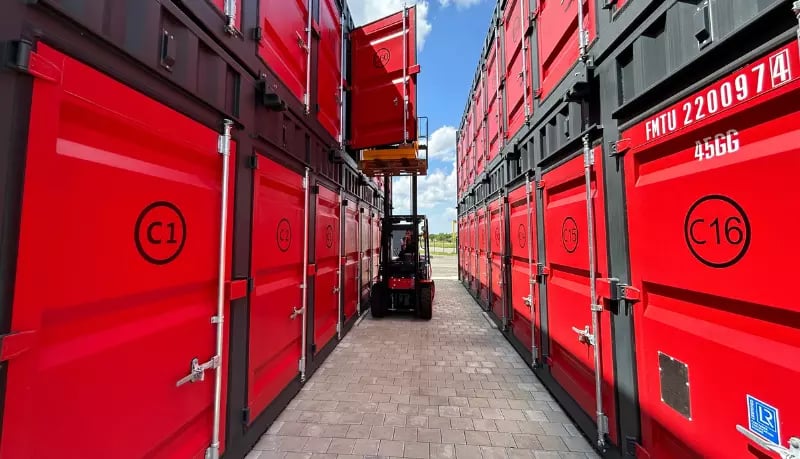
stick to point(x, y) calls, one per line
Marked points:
point(405, 274)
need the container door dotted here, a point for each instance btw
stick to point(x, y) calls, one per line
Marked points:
point(569, 299)
point(718, 294)
point(330, 67)
point(277, 270)
point(326, 289)
point(519, 98)
point(384, 74)
point(116, 279)
point(376, 247)
point(284, 43)
point(366, 260)
point(558, 39)
point(483, 256)
point(497, 226)
point(494, 107)
point(522, 240)
point(351, 259)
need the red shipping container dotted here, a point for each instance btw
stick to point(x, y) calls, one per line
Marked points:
point(557, 25)
point(382, 53)
point(518, 93)
point(524, 301)
point(714, 266)
point(326, 285)
point(117, 266)
point(330, 67)
point(568, 285)
point(497, 249)
point(494, 112)
point(284, 45)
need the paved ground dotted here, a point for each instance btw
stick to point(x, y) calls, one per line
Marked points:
point(449, 388)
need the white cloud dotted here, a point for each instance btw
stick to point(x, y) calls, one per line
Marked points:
point(365, 11)
point(442, 144)
point(436, 197)
point(460, 4)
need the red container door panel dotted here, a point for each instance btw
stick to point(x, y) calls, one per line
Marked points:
point(518, 83)
point(282, 46)
point(377, 81)
point(558, 39)
point(497, 228)
point(131, 276)
point(520, 237)
point(366, 260)
point(493, 110)
point(351, 259)
point(277, 264)
point(376, 247)
point(720, 167)
point(237, 20)
point(326, 292)
point(330, 67)
point(480, 149)
point(483, 255)
point(568, 295)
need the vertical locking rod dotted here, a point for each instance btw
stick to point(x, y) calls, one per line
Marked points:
point(224, 149)
point(524, 58)
point(531, 279)
point(307, 96)
point(304, 286)
point(602, 425)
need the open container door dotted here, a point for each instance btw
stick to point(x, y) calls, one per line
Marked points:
point(384, 69)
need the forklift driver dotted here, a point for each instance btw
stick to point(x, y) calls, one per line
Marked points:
point(409, 245)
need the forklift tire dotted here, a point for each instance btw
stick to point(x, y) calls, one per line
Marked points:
point(378, 297)
point(425, 304)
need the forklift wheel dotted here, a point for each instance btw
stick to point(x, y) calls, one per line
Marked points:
point(378, 298)
point(425, 305)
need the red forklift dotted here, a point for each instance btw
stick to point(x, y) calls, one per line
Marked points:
point(404, 273)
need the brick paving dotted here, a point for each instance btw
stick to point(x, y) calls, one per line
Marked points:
point(449, 388)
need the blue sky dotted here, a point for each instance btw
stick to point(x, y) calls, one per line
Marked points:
point(450, 35)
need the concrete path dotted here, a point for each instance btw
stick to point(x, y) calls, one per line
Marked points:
point(400, 387)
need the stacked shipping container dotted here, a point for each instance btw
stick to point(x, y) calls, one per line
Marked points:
point(619, 232)
point(214, 238)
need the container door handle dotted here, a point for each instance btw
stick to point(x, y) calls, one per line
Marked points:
point(198, 371)
point(792, 452)
point(296, 312)
point(584, 336)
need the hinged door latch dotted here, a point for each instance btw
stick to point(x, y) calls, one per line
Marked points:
point(792, 452)
point(198, 371)
point(613, 290)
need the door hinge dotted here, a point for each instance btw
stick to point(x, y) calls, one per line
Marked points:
point(314, 348)
point(620, 147)
point(224, 140)
point(19, 55)
point(613, 290)
point(540, 184)
point(15, 343)
point(635, 449)
point(607, 4)
point(252, 163)
point(542, 270)
point(245, 416)
point(257, 34)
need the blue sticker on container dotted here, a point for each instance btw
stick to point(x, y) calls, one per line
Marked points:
point(763, 420)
